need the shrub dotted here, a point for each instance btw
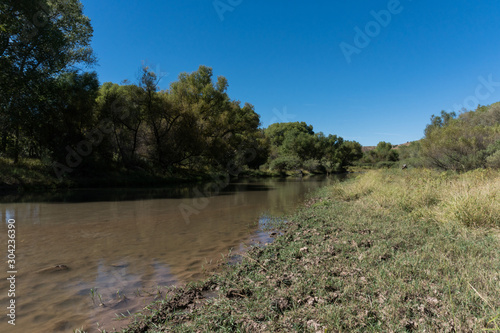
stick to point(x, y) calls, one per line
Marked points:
point(493, 161)
point(285, 163)
point(462, 143)
point(312, 165)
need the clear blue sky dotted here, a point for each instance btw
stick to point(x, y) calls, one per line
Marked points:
point(285, 57)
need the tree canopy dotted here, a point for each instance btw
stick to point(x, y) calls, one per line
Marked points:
point(465, 142)
point(39, 40)
point(295, 145)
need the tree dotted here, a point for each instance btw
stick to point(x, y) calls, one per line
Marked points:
point(294, 145)
point(382, 156)
point(122, 106)
point(440, 121)
point(411, 154)
point(291, 143)
point(328, 152)
point(276, 132)
point(65, 114)
point(463, 143)
point(298, 143)
point(350, 151)
point(222, 127)
point(38, 41)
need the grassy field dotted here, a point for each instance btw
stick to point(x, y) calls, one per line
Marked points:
point(389, 251)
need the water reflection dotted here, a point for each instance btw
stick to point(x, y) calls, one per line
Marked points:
point(121, 246)
point(126, 194)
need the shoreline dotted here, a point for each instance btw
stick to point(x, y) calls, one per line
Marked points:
point(32, 179)
point(354, 258)
point(110, 180)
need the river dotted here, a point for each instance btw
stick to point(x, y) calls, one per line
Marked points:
point(80, 248)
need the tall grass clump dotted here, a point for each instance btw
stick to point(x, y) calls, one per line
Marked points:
point(474, 199)
point(471, 199)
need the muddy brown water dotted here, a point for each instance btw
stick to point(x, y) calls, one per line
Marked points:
point(124, 245)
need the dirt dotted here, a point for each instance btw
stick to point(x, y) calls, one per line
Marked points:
point(181, 299)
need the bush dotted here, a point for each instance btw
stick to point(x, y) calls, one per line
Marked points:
point(312, 165)
point(462, 143)
point(493, 161)
point(285, 163)
point(493, 158)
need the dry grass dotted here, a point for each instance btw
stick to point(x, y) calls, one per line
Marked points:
point(471, 199)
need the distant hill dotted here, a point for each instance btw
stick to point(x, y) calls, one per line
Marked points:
point(400, 145)
point(364, 149)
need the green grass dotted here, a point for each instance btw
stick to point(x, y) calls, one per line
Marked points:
point(389, 251)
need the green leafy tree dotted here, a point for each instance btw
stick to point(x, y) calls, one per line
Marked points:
point(67, 112)
point(349, 152)
point(295, 145)
point(463, 143)
point(276, 132)
point(440, 121)
point(285, 163)
point(411, 154)
point(493, 155)
point(382, 156)
point(223, 127)
point(328, 152)
point(262, 148)
point(38, 41)
point(122, 106)
point(384, 152)
point(298, 144)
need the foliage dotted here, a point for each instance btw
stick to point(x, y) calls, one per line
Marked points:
point(493, 152)
point(39, 41)
point(465, 142)
point(313, 166)
point(192, 126)
point(440, 121)
point(283, 163)
point(222, 129)
point(314, 152)
point(411, 154)
point(66, 113)
point(276, 132)
point(382, 156)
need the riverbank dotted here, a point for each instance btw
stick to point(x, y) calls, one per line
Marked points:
point(31, 175)
point(393, 250)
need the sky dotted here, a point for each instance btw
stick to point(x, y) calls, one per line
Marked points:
point(367, 71)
